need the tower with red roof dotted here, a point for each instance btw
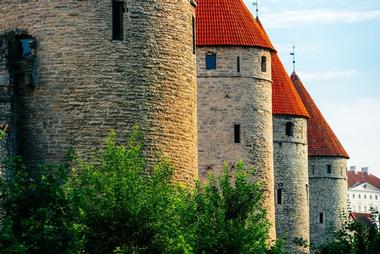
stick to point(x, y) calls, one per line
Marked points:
point(290, 158)
point(234, 92)
point(327, 172)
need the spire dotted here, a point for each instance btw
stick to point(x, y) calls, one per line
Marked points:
point(321, 138)
point(256, 4)
point(293, 53)
point(228, 22)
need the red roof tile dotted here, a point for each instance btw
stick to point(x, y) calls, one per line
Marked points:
point(228, 22)
point(285, 98)
point(321, 138)
point(353, 178)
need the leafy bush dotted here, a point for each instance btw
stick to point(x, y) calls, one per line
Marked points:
point(36, 214)
point(115, 203)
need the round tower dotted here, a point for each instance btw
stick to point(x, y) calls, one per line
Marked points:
point(327, 172)
point(290, 160)
point(102, 65)
point(234, 92)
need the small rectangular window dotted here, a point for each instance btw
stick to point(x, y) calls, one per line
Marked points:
point(328, 168)
point(238, 64)
point(321, 218)
point(313, 169)
point(279, 196)
point(307, 194)
point(210, 61)
point(237, 133)
point(264, 64)
point(117, 20)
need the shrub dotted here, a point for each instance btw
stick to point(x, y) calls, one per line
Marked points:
point(36, 216)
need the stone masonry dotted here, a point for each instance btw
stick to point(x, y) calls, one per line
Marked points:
point(227, 97)
point(328, 196)
point(291, 181)
point(89, 84)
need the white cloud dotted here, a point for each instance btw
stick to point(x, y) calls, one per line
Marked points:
point(329, 74)
point(357, 124)
point(308, 17)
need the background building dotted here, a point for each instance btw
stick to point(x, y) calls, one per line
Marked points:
point(363, 190)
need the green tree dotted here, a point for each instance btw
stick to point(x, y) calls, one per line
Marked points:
point(353, 238)
point(123, 206)
point(229, 214)
point(36, 216)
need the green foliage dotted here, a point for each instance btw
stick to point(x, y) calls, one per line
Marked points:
point(3, 133)
point(115, 202)
point(354, 238)
point(122, 206)
point(229, 215)
point(36, 214)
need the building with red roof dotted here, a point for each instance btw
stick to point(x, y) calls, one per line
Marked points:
point(363, 190)
point(327, 171)
point(290, 157)
point(234, 92)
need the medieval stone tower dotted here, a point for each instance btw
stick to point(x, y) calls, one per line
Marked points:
point(82, 68)
point(327, 172)
point(290, 158)
point(234, 92)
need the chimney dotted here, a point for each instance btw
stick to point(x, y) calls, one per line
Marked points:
point(353, 169)
point(365, 170)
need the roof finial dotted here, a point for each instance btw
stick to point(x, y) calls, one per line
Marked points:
point(293, 53)
point(256, 3)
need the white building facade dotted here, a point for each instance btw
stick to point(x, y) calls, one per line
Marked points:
point(363, 191)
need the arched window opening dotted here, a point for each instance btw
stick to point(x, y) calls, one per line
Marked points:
point(289, 129)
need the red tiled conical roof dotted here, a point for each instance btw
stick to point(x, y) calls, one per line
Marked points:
point(228, 23)
point(321, 138)
point(285, 98)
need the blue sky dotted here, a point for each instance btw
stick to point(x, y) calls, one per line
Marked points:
point(338, 58)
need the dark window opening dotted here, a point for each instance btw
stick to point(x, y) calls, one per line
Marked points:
point(263, 63)
point(289, 129)
point(321, 218)
point(26, 47)
point(307, 194)
point(279, 196)
point(210, 61)
point(237, 133)
point(328, 169)
point(238, 64)
point(27, 56)
point(194, 38)
point(313, 169)
point(117, 20)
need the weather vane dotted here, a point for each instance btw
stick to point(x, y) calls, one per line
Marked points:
point(293, 53)
point(256, 3)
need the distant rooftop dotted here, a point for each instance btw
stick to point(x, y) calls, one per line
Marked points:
point(354, 178)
